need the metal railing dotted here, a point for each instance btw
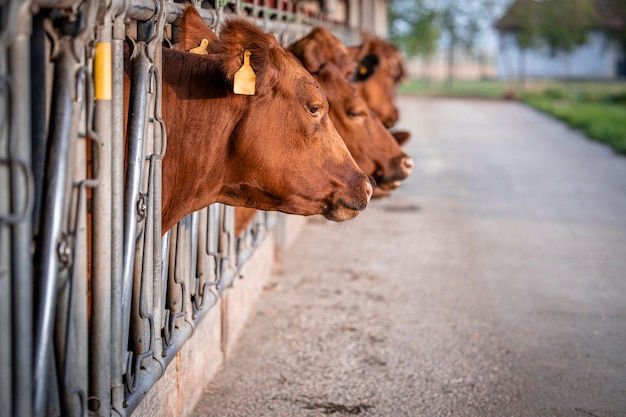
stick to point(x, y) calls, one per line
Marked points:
point(95, 301)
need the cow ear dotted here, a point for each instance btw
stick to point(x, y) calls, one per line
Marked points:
point(366, 67)
point(360, 51)
point(193, 30)
point(401, 136)
point(306, 50)
point(311, 58)
point(238, 36)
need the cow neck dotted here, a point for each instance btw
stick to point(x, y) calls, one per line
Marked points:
point(200, 113)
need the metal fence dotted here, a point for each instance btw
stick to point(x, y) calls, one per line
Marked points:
point(94, 302)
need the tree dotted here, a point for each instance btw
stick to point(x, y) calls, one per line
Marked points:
point(523, 19)
point(565, 24)
point(413, 27)
point(560, 25)
point(612, 19)
point(420, 26)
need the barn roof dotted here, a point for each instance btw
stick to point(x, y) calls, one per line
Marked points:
point(610, 14)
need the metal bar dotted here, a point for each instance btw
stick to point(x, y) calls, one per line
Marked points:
point(146, 290)
point(143, 10)
point(38, 111)
point(117, 347)
point(57, 4)
point(71, 327)
point(227, 240)
point(156, 160)
point(176, 288)
point(135, 144)
point(100, 335)
point(53, 205)
point(22, 196)
point(6, 274)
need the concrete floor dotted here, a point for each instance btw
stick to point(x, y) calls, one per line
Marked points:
point(492, 283)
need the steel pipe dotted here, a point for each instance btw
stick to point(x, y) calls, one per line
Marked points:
point(101, 298)
point(21, 202)
point(117, 348)
point(144, 10)
point(135, 139)
point(48, 246)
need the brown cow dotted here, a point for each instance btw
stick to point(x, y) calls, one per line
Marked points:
point(275, 150)
point(379, 70)
point(371, 145)
point(378, 87)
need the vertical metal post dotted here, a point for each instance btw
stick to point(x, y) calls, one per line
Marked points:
point(38, 110)
point(100, 336)
point(7, 98)
point(118, 349)
point(22, 190)
point(50, 241)
point(134, 167)
point(159, 146)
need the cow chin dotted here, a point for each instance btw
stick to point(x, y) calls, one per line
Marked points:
point(341, 210)
point(388, 186)
point(341, 213)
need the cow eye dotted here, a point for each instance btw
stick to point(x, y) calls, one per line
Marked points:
point(314, 109)
point(355, 113)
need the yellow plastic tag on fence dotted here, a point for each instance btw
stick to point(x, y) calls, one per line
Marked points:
point(102, 71)
point(245, 78)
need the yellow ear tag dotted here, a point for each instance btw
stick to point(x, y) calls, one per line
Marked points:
point(200, 50)
point(362, 70)
point(245, 78)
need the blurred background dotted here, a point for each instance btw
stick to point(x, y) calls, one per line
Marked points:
point(565, 57)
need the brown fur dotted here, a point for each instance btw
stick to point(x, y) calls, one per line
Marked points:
point(379, 90)
point(319, 47)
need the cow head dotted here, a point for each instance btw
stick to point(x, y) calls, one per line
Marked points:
point(371, 145)
point(379, 70)
point(321, 46)
point(375, 150)
point(275, 150)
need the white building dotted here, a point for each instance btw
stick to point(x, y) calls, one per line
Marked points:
point(599, 58)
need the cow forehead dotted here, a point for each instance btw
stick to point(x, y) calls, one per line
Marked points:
point(333, 78)
point(309, 90)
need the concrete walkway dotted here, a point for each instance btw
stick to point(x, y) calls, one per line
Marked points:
point(492, 283)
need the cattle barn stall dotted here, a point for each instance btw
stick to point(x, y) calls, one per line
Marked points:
point(62, 159)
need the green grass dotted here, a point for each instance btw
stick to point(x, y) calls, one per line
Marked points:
point(461, 88)
point(596, 108)
point(600, 119)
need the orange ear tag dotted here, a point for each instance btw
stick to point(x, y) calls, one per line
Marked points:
point(245, 78)
point(200, 50)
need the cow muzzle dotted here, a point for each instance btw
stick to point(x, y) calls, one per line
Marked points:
point(348, 205)
point(399, 169)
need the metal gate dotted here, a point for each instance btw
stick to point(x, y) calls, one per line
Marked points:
point(94, 303)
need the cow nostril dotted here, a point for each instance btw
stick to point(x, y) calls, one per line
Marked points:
point(369, 190)
point(407, 165)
